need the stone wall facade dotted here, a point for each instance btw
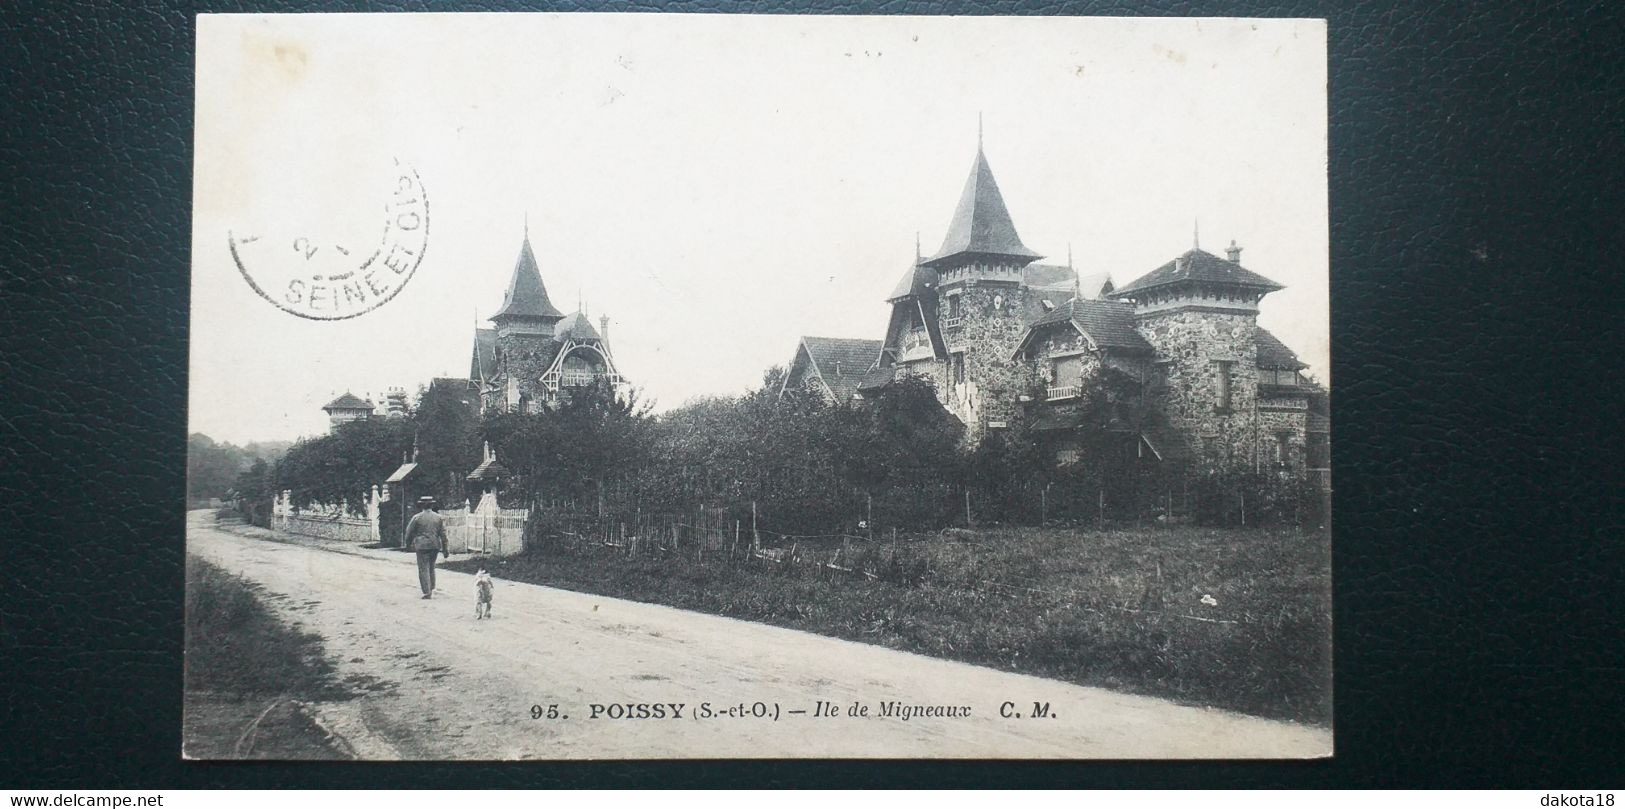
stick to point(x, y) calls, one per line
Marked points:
point(522, 358)
point(1201, 354)
point(990, 325)
point(1275, 424)
point(933, 371)
point(1058, 343)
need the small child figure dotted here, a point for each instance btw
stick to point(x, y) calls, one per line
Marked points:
point(482, 590)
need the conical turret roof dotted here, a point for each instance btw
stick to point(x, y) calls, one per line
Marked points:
point(526, 296)
point(981, 224)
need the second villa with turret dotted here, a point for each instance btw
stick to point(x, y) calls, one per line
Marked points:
point(1174, 362)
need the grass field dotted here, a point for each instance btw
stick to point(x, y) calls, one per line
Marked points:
point(1236, 619)
point(245, 672)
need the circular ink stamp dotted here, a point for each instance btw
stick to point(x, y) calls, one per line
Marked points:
point(325, 264)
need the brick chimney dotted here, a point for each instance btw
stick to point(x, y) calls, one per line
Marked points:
point(1233, 252)
point(603, 328)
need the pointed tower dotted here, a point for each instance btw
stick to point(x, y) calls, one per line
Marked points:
point(982, 243)
point(510, 359)
point(526, 308)
point(980, 296)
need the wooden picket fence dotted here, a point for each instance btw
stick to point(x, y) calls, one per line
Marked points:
point(499, 534)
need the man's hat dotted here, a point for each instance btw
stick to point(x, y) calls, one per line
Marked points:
point(426, 500)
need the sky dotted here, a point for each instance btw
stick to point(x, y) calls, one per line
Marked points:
point(717, 185)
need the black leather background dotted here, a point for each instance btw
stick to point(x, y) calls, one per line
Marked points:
point(1477, 210)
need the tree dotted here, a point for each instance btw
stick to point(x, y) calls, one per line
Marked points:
point(808, 464)
point(340, 468)
point(253, 491)
point(211, 467)
point(582, 451)
point(446, 428)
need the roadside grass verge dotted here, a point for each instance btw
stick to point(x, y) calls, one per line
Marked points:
point(1122, 609)
point(245, 673)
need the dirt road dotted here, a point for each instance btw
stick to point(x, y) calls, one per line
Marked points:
point(440, 685)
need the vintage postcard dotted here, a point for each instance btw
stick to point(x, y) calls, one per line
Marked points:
point(647, 386)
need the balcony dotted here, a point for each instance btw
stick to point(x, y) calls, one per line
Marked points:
point(1061, 392)
point(916, 341)
point(953, 322)
point(579, 380)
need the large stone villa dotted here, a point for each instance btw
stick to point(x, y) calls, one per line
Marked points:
point(1008, 341)
point(534, 353)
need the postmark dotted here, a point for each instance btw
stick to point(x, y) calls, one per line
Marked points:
point(336, 270)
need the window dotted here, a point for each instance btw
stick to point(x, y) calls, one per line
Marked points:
point(1319, 451)
point(1283, 447)
point(1221, 370)
point(1068, 377)
point(955, 315)
point(1069, 370)
point(957, 371)
point(1279, 377)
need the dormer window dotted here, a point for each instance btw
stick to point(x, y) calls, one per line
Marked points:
point(1279, 376)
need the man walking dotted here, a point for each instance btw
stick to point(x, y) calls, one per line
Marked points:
point(426, 534)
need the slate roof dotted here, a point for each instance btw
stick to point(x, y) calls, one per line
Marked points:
point(402, 472)
point(1057, 285)
point(1272, 353)
point(489, 469)
point(1318, 423)
point(916, 280)
point(878, 378)
point(577, 327)
point(1048, 275)
point(526, 296)
point(348, 401)
point(981, 223)
point(485, 355)
point(1054, 277)
point(466, 390)
point(841, 362)
point(1109, 323)
point(1168, 442)
point(1198, 265)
